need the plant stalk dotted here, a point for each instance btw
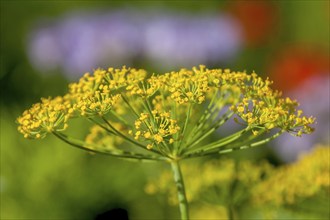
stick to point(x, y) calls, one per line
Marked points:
point(178, 178)
point(230, 213)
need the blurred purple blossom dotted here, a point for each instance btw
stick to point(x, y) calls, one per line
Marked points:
point(175, 41)
point(313, 97)
point(80, 42)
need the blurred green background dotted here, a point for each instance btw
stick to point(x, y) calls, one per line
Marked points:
point(286, 40)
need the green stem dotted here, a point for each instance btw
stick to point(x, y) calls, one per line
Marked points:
point(184, 132)
point(178, 178)
point(207, 113)
point(116, 153)
point(101, 126)
point(206, 132)
point(130, 106)
point(255, 144)
point(230, 212)
point(217, 144)
point(127, 138)
point(120, 118)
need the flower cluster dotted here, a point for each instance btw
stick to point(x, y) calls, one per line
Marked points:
point(289, 183)
point(45, 117)
point(214, 184)
point(157, 128)
point(261, 106)
point(170, 114)
point(186, 86)
point(247, 183)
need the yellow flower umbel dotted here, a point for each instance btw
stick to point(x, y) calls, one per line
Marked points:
point(309, 176)
point(240, 185)
point(169, 116)
point(50, 115)
point(223, 183)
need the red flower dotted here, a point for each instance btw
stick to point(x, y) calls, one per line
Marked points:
point(295, 65)
point(258, 18)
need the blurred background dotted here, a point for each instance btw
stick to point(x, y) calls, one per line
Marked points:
point(47, 44)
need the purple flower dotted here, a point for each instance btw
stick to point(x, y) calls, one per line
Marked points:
point(80, 42)
point(313, 96)
point(187, 41)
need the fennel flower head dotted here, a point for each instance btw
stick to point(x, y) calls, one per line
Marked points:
point(168, 116)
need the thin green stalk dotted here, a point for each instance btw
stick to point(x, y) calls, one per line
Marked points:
point(202, 151)
point(178, 178)
point(206, 115)
point(209, 131)
point(130, 106)
point(115, 153)
point(102, 126)
point(184, 129)
point(230, 212)
point(255, 144)
point(215, 145)
point(211, 151)
point(247, 140)
point(127, 138)
point(163, 151)
point(187, 119)
point(120, 118)
point(232, 191)
point(207, 112)
point(147, 106)
point(226, 140)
